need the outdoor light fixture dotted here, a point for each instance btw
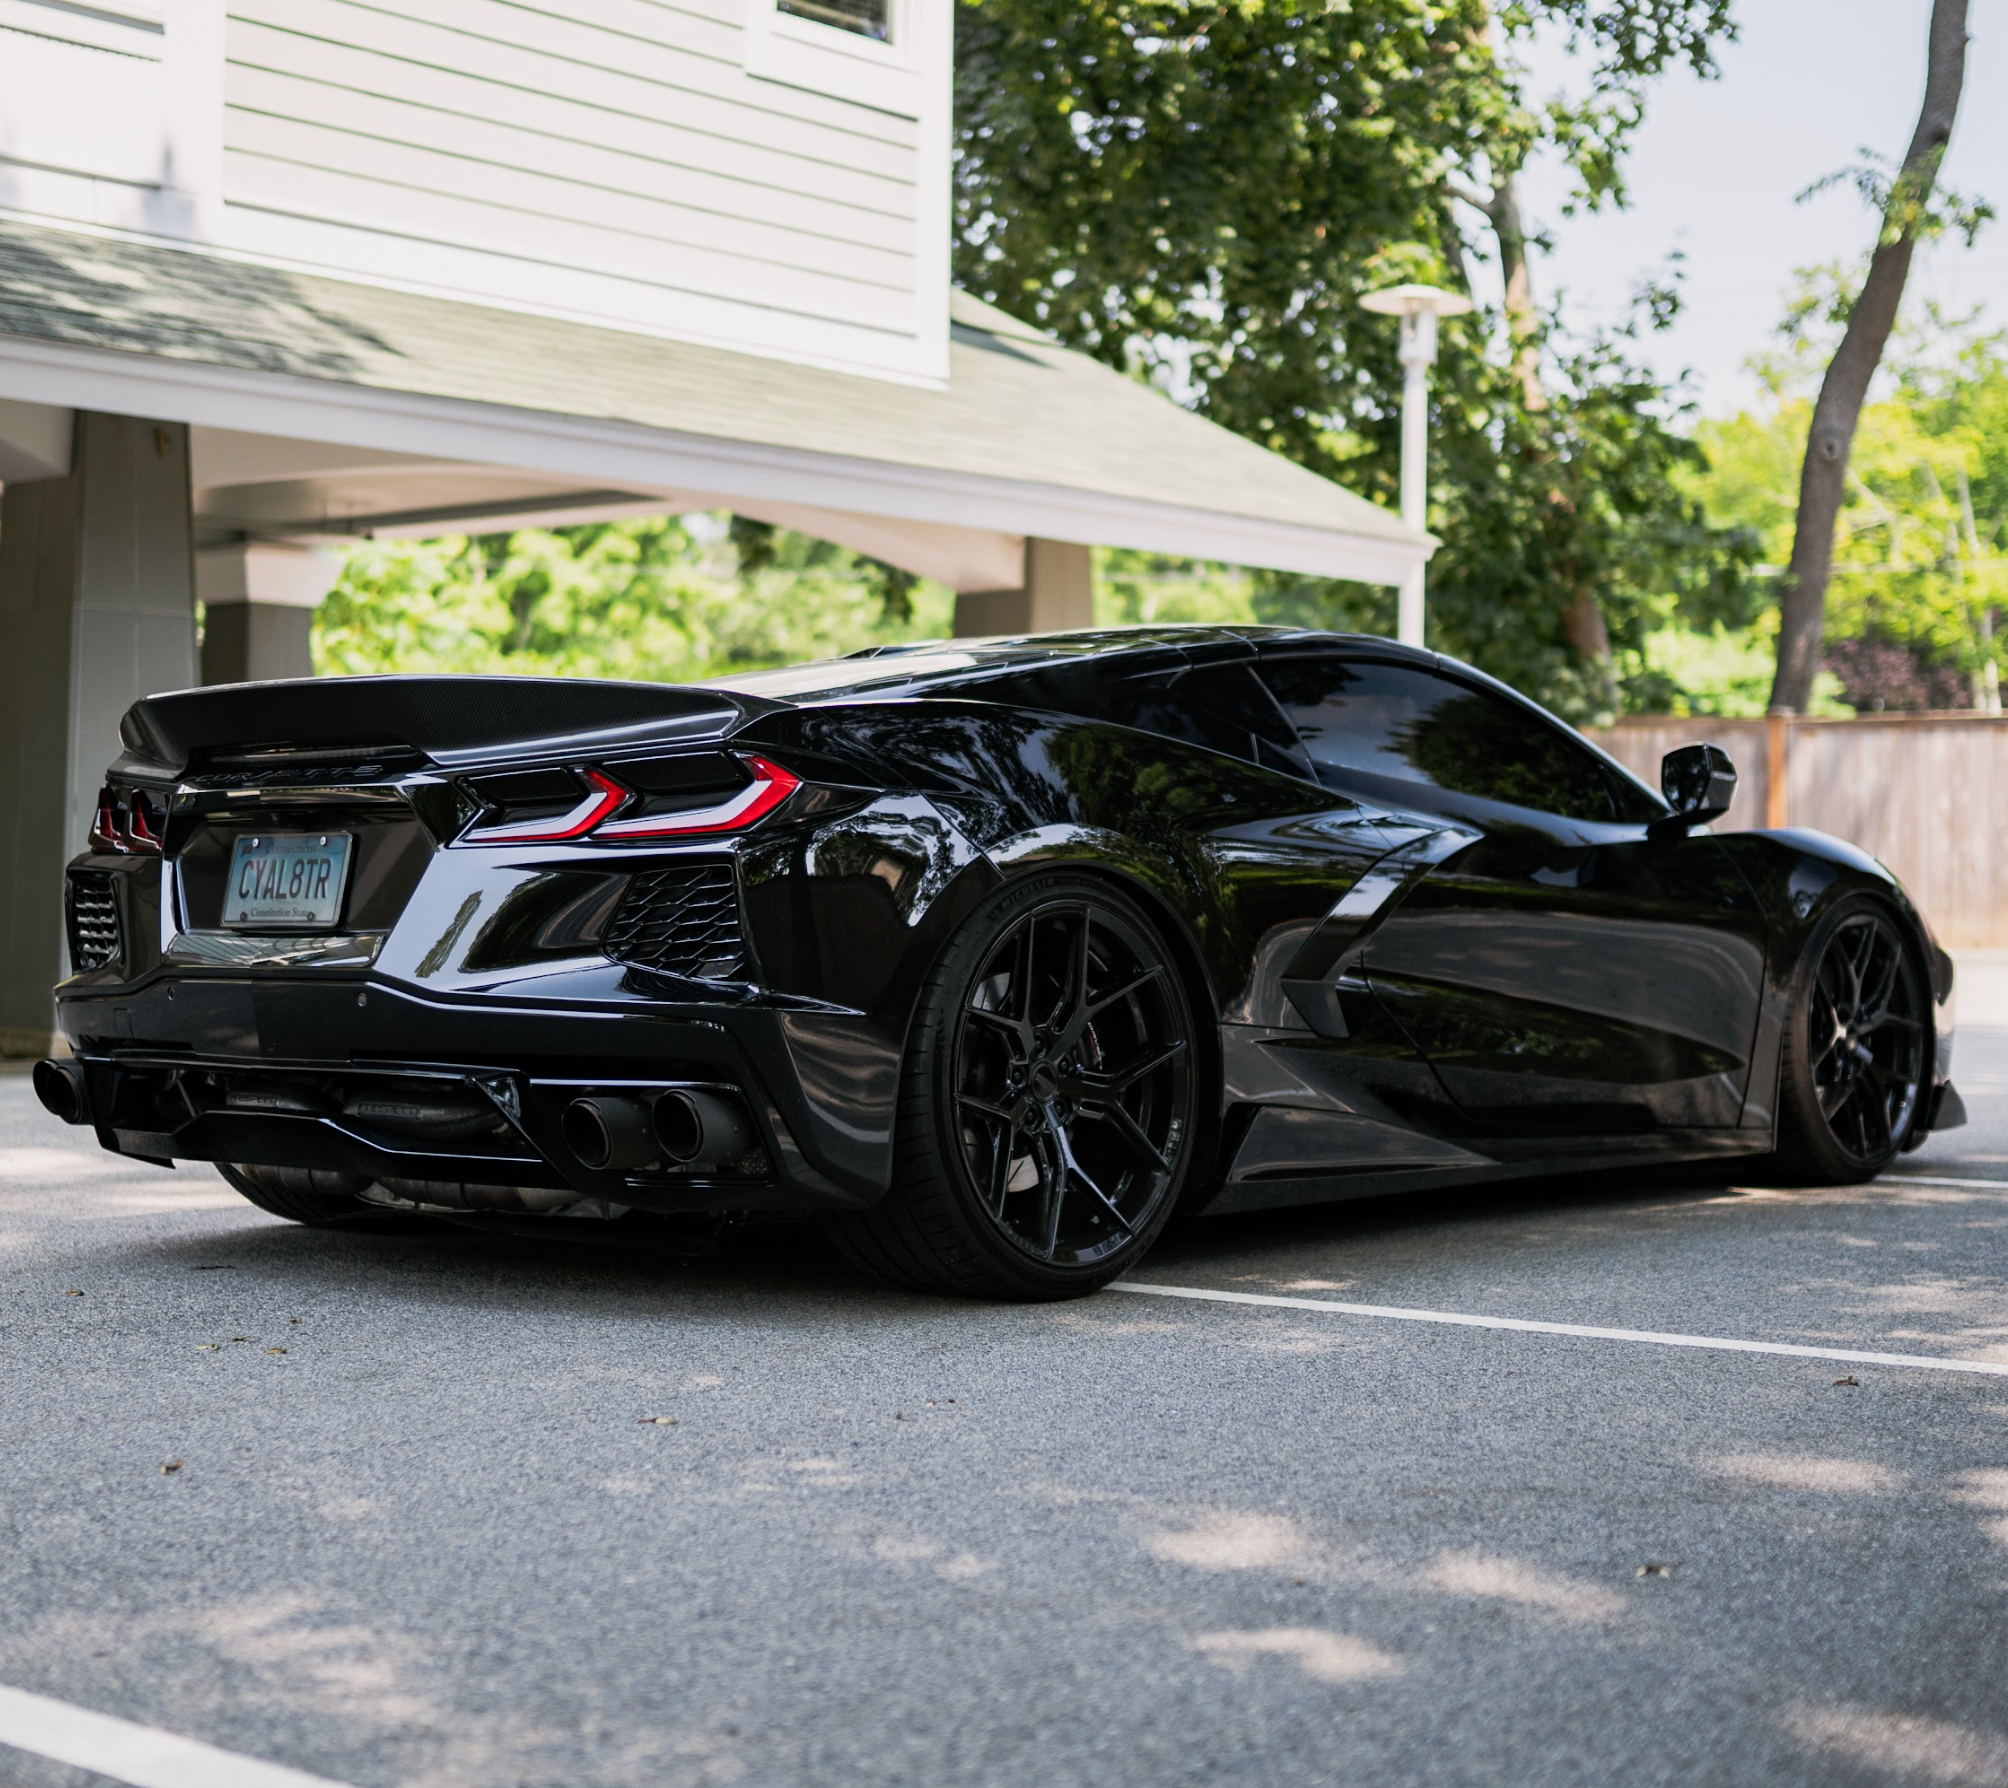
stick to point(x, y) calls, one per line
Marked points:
point(1418, 307)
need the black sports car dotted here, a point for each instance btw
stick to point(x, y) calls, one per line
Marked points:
point(994, 954)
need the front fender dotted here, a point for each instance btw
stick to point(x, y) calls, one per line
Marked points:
point(1799, 875)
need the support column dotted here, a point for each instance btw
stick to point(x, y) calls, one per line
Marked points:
point(258, 605)
point(97, 608)
point(1058, 595)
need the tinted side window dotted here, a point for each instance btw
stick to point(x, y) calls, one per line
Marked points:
point(1234, 694)
point(1218, 708)
point(1393, 720)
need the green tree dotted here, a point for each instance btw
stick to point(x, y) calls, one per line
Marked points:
point(1201, 194)
point(1919, 558)
point(666, 599)
point(1906, 215)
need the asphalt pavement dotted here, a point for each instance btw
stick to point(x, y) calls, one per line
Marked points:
point(447, 1510)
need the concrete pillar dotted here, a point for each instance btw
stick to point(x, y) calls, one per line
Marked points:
point(258, 607)
point(97, 608)
point(1058, 595)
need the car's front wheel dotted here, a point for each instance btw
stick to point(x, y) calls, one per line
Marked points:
point(1856, 1048)
point(1049, 1103)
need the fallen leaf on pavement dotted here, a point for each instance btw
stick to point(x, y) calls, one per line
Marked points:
point(1850, 1379)
point(209, 1347)
point(657, 1421)
point(240, 1337)
point(73, 1294)
point(173, 1465)
point(217, 1268)
point(1650, 1570)
point(275, 1350)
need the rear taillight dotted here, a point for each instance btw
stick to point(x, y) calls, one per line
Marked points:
point(122, 823)
point(604, 795)
point(106, 833)
point(771, 785)
point(592, 816)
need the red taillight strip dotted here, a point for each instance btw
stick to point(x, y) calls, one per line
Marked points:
point(138, 833)
point(607, 795)
point(771, 785)
point(105, 824)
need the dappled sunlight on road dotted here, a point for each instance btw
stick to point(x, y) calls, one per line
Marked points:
point(1234, 1542)
point(1782, 1471)
point(1491, 1578)
point(1320, 1655)
point(1915, 1747)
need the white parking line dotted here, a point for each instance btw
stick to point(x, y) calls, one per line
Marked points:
point(144, 1756)
point(1926, 1179)
point(1652, 1337)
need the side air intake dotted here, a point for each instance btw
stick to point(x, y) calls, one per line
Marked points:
point(94, 920)
point(682, 922)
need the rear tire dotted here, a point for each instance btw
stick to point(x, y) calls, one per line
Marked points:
point(1048, 1103)
point(1850, 1082)
point(301, 1194)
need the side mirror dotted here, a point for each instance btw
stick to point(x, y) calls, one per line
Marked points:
point(1698, 781)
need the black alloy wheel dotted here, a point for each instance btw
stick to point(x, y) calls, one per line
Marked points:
point(1858, 1049)
point(1071, 1066)
point(1049, 1109)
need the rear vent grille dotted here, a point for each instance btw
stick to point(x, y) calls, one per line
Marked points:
point(94, 920)
point(681, 921)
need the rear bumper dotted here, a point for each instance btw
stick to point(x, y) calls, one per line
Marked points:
point(817, 1083)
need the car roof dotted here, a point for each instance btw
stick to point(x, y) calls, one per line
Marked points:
point(913, 669)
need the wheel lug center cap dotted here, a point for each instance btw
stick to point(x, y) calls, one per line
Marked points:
point(1044, 1083)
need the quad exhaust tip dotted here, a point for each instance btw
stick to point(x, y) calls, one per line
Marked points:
point(60, 1087)
point(692, 1127)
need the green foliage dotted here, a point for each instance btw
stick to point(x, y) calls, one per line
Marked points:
point(1201, 194)
point(1145, 589)
point(664, 600)
point(1539, 508)
point(1921, 549)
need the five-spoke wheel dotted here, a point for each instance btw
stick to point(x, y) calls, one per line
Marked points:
point(1857, 1049)
point(1048, 1111)
point(1071, 1063)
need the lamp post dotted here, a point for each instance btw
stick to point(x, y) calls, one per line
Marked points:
point(1418, 307)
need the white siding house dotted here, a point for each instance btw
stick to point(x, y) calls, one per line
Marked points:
point(745, 175)
point(276, 274)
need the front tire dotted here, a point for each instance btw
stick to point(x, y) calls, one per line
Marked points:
point(1857, 1039)
point(1048, 1103)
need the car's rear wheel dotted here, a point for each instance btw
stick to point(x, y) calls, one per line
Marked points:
point(1049, 1102)
point(1856, 1047)
point(300, 1194)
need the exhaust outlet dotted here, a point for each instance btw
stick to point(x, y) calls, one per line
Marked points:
point(699, 1129)
point(607, 1132)
point(60, 1087)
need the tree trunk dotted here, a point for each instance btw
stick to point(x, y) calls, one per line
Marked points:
point(1523, 323)
point(1823, 481)
point(1583, 616)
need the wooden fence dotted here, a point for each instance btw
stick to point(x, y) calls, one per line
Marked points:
point(1926, 793)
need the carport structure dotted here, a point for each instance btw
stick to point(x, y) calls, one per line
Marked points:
point(175, 425)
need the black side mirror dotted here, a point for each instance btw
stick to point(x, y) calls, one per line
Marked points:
point(1698, 781)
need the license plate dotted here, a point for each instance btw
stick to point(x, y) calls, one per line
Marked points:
point(287, 879)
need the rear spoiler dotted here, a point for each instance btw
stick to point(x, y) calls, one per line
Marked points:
point(450, 720)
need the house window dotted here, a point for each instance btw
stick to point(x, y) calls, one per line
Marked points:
point(867, 51)
point(868, 18)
